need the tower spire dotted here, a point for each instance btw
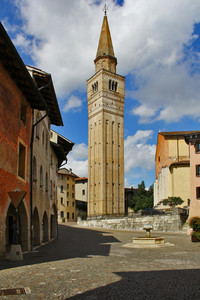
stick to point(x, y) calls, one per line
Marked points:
point(105, 57)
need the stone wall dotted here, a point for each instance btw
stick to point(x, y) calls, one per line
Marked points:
point(171, 222)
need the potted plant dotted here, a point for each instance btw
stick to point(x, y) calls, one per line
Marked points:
point(194, 223)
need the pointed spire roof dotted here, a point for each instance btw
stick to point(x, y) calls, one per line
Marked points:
point(105, 46)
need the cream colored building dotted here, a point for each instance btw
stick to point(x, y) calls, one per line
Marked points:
point(105, 96)
point(66, 195)
point(172, 164)
point(81, 194)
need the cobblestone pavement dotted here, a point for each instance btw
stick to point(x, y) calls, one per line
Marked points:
point(92, 264)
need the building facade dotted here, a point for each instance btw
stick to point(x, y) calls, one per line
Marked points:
point(105, 97)
point(18, 96)
point(43, 200)
point(81, 194)
point(172, 165)
point(193, 140)
point(66, 195)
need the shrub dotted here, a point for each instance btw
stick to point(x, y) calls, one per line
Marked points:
point(172, 201)
point(194, 223)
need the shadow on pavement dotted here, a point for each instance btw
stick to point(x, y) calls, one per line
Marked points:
point(171, 284)
point(71, 242)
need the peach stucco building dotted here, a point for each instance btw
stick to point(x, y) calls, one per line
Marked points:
point(172, 164)
point(194, 143)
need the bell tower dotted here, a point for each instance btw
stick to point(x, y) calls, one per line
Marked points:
point(105, 98)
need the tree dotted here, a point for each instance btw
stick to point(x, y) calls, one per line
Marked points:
point(143, 198)
point(172, 201)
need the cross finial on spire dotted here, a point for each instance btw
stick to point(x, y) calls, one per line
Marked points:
point(105, 9)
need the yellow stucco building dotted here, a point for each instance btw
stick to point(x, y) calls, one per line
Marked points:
point(66, 195)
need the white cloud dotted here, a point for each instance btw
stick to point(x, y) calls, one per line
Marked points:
point(73, 103)
point(78, 160)
point(137, 153)
point(148, 38)
point(172, 93)
point(80, 151)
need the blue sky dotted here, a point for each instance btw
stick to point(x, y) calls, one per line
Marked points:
point(157, 45)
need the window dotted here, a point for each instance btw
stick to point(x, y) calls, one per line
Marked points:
point(73, 187)
point(43, 137)
point(23, 111)
point(61, 188)
point(72, 203)
point(46, 183)
point(83, 192)
point(68, 216)
point(46, 144)
point(67, 185)
point(62, 214)
point(67, 194)
point(198, 192)
point(51, 159)
point(197, 170)
point(37, 126)
point(95, 87)
point(72, 195)
point(51, 189)
point(21, 161)
point(112, 85)
point(198, 148)
point(67, 203)
point(41, 176)
point(67, 177)
point(72, 215)
point(34, 169)
point(61, 200)
point(61, 177)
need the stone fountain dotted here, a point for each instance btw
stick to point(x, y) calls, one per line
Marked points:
point(148, 241)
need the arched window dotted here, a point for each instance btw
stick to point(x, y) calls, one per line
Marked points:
point(34, 169)
point(37, 126)
point(46, 143)
point(62, 214)
point(112, 85)
point(95, 87)
point(51, 189)
point(41, 176)
point(46, 183)
point(43, 137)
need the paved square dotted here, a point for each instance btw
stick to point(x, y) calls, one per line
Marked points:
point(92, 264)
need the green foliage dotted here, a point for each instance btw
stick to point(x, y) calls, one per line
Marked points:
point(194, 223)
point(83, 215)
point(172, 201)
point(143, 198)
point(196, 234)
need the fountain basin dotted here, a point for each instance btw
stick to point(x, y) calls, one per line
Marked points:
point(148, 240)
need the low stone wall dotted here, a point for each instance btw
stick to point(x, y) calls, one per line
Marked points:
point(172, 222)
